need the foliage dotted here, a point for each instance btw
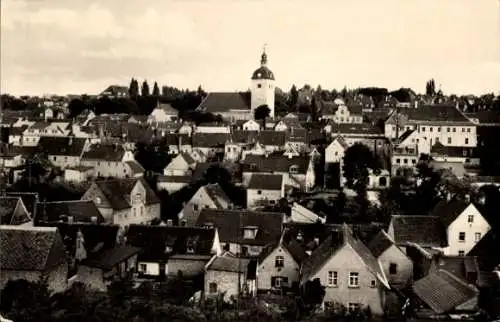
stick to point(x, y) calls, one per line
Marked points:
point(262, 113)
point(153, 156)
point(106, 105)
point(77, 106)
point(145, 89)
point(133, 90)
point(313, 293)
point(156, 90)
point(294, 96)
point(430, 88)
point(24, 301)
point(358, 160)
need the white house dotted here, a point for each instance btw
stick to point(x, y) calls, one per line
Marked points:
point(182, 165)
point(334, 152)
point(465, 225)
point(265, 189)
point(163, 113)
point(251, 125)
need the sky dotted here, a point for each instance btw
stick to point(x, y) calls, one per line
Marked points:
point(82, 46)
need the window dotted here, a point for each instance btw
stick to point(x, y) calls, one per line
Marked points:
point(279, 281)
point(414, 161)
point(98, 200)
point(423, 128)
point(466, 140)
point(477, 237)
point(195, 207)
point(259, 85)
point(449, 140)
point(430, 129)
point(54, 158)
point(249, 233)
point(439, 129)
point(373, 283)
point(448, 130)
point(393, 268)
point(470, 219)
point(294, 169)
point(468, 130)
point(461, 236)
point(353, 307)
point(405, 161)
point(353, 279)
point(143, 268)
point(134, 211)
point(190, 250)
point(279, 261)
point(398, 161)
point(454, 129)
point(259, 192)
point(332, 278)
point(212, 288)
point(461, 253)
point(463, 129)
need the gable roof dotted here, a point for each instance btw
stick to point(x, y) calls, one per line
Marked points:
point(380, 243)
point(218, 196)
point(438, 149)
point(56, 211)
point(265, 181)
point(62, 146)
point(271, 138)
point(220, 102)
point(230, 224)
point(433, 114)
point(209, 140)
point(153, 240)
point(448, 211)
point(108, 259)
point(341, 141)
point(229, 264)
point(106, 152)
point(357, 129)
point(30, 248)
point(117, 191)
point(442, 291)
point(426, 231)
point(29, 199)
point(291, 245)
point(7, 207)
point(167, 108)
point(275, 163)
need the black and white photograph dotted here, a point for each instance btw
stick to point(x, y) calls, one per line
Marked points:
point(249, 160)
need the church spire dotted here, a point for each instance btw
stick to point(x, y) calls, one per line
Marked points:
point(263, 59)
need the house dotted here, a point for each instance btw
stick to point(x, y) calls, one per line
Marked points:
point(115, 91)
point(297, 172)
point(404, 160)
point(99, 270)
point(251, 125)
point(230, 105)
point(334, 158)
point(370, 135)
point(302, 215)
point(397, 266)
point(162, 113)
point(436, 123)
point(16, 134)
point(73, 211)
point(271, 140)
point(63, 152)
point(178, 142)
point(442, 294)
point(427, 232)
point(33, 254)
point(181, 165)
point(352, 276)
point(213, 127)
point(342, 113)
point(124, 201)
point(230, 276)
point(264, 189)
point(465, 155)
point(243, 232)
point(13, 211)
point(111, 160)
point(279, 264)
point(29, 200)
point(464, 223)
point(168, 250)
point(78, 174)
point(210, 196)
point(210, 143)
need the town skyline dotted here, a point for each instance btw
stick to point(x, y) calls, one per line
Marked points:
point(56, 47)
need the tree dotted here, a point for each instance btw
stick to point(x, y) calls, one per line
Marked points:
point(133, 89)
point(294, 96)
point(313, 293)
point(430, 88)
point(156, 90)
point(75, 107)
point(358, 160)
point(315, 107)
point(145, 89)
point(26, 301)
point(262, 113)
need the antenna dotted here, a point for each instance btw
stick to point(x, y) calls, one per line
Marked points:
point(264, 47)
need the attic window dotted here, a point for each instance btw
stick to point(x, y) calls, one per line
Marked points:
point(249, 232)
point(168, 249)
point(294, 169)
point(98, 200)
point(209, 225)
point(190, 250)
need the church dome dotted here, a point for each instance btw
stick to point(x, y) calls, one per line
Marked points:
point(263, 72)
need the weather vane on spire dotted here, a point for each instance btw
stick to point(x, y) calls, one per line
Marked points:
point(264, 47)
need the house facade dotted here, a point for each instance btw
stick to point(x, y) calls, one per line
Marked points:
point(265, 189)
point(229, 276)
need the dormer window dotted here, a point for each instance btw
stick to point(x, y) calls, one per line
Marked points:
point(190, 250)
point(98, 200)
point(249, 232)
point(259, 85)
point(294, 169)
point(168, 249)
point(209, 225)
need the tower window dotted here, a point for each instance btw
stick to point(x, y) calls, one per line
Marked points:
point(259, 85)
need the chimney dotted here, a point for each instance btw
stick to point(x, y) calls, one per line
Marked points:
point(482, 200)
point(70, 219)
point(70, 140)
point(316, 241)
point(448, 196)
point(93, 219)
point(467, 198)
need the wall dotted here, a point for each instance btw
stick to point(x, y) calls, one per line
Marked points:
point(334, 152)
point(152, 269)
point(267, 270)
point(251, 126)
point(171, 187)
point(226, 282)
point(188, 267)
point(177, 167)
point(404, 272)
point(344, 262)
point(105, 168)
point(254, 199)
point(479, 225)
point(263, 95)
point(64, 161)
point(104, 207)
point(91, 277)
point(57, 278)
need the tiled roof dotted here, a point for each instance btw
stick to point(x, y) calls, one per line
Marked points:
point(33, 248)
point(230, 224)
point(240, 136)
point(426, 231)
point(7, 207)
point(448, 211)
point(167, 108)
point(135, 166)
point(266, 181)
point(229, 264)
point(380, 243)
point(62, 146)
point(117, 191)
point(108, 259)
point(80, 210)
point(29, 199)
point(275, 163)
point(271, 138)
point(405, 135)
point(17, 130)
point(485, 117)
point(106, 152)
point(442, 291)
point(116, 89)
point(292, 246)
point(224, 102)
point(438, 149)
point(176, 139)
point(209, 140)
point(487, 259)
point(360, 129)
point(462, 267)
point(153, 240)
point(217, 195)
point(434, 114)
point(175, 179)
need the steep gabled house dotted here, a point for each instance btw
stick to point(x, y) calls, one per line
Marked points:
point(334, 160)
point(63, 152)
point(210, 143)
point(250, 125)
point(297, 172)
point(265, 189)
point(243, 232)
point(168, 250)
point(230, 276)
point(210, 196)
point(115, 91)
point(427, 232)
point(397, 266)
point(464, 223)
point(13, 211)
point(178, 142)
point(73, 211)
point(301, 215)
point(182, 165)
point(353, 277)
point(29, 199)
point(279, 264)
point(162, 113)
point(124, 201)
point(33, 254)
point(111, 160)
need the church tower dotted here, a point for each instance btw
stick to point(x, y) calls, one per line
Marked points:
point(263, 88)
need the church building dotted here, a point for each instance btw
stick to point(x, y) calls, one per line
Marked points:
point(234, 106)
